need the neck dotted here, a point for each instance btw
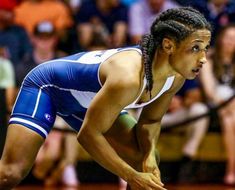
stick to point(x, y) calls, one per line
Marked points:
point(161, 65)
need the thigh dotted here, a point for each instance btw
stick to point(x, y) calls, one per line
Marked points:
point(21, 147)
point(31, 120)
point(34, 110)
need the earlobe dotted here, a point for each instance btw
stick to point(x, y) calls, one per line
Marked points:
point(168, 45)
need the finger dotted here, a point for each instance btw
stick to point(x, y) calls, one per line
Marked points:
point(157, 186)
point(157, 180)
point(157, 174)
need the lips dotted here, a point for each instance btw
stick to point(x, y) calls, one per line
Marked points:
point(196, 70)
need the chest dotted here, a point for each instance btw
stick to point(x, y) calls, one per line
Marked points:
point(157, 90)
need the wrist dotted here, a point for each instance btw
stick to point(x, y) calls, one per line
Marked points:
point(128, 176)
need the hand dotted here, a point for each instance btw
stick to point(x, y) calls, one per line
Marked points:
point(150, 165)
point(145, 181)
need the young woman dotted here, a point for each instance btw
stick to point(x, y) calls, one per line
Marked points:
point(91, 91)
point(218, 81)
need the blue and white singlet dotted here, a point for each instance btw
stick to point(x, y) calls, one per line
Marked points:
point(64, 87)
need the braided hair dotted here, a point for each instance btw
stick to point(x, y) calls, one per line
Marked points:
point(177, 24)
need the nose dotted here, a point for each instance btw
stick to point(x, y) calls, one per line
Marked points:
point(203, 61)
point(203, 58)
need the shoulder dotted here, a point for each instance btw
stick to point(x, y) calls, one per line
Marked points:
point(126, 64)
point(123, 72)
point(128, 56)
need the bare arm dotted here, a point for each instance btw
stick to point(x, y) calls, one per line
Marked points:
point(148, 128)
point(208, 81)
point(100, 116)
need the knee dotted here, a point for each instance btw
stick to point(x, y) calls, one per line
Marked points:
point(10, 175)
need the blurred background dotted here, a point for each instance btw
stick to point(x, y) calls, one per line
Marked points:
point(198, 132)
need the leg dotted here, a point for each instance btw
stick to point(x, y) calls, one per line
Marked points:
point(27, 130)
point(126, 146)
point(229, 138)
point(22, 145)
point(49, 154)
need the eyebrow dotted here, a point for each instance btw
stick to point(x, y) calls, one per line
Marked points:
point(197, 40)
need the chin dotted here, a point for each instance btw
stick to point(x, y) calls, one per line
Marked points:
point(187, 75)
point(190, 77)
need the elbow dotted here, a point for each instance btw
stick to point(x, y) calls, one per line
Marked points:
point(87, 136)
point(83, 137)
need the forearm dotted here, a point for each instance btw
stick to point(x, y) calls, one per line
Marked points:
point(102, 152)
point(147, 136)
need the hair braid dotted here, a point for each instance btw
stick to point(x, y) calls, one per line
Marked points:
point(176, 24)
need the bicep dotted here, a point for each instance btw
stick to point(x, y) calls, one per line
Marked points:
point(105, 107)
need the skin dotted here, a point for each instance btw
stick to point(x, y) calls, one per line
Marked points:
point(133, 157)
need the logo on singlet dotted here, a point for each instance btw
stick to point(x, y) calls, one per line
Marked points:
point(48, 117)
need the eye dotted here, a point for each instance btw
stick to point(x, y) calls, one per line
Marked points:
point(207, 48)
point(196, 48)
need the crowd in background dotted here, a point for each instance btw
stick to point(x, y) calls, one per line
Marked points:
point(35, 31)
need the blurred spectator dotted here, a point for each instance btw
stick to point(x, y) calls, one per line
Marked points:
point(30, 12)
point(74, 5)
point(13, 38)
point(7, 95)
point(142, 14)
point(218, 12)
point(44, 40)
point(218, 80)
point(9, 4)
point(188, 103)
point(99, 41)
point(107, 16)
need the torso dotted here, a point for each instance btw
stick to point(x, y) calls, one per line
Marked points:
point(73, 81)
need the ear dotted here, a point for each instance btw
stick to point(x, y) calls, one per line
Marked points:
point(168, 46)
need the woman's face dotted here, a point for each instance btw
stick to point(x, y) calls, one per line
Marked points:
point(227, 40)
point(189, 55)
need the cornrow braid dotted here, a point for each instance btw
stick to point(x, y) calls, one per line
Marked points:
point(148, 49)
point(177, 24)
